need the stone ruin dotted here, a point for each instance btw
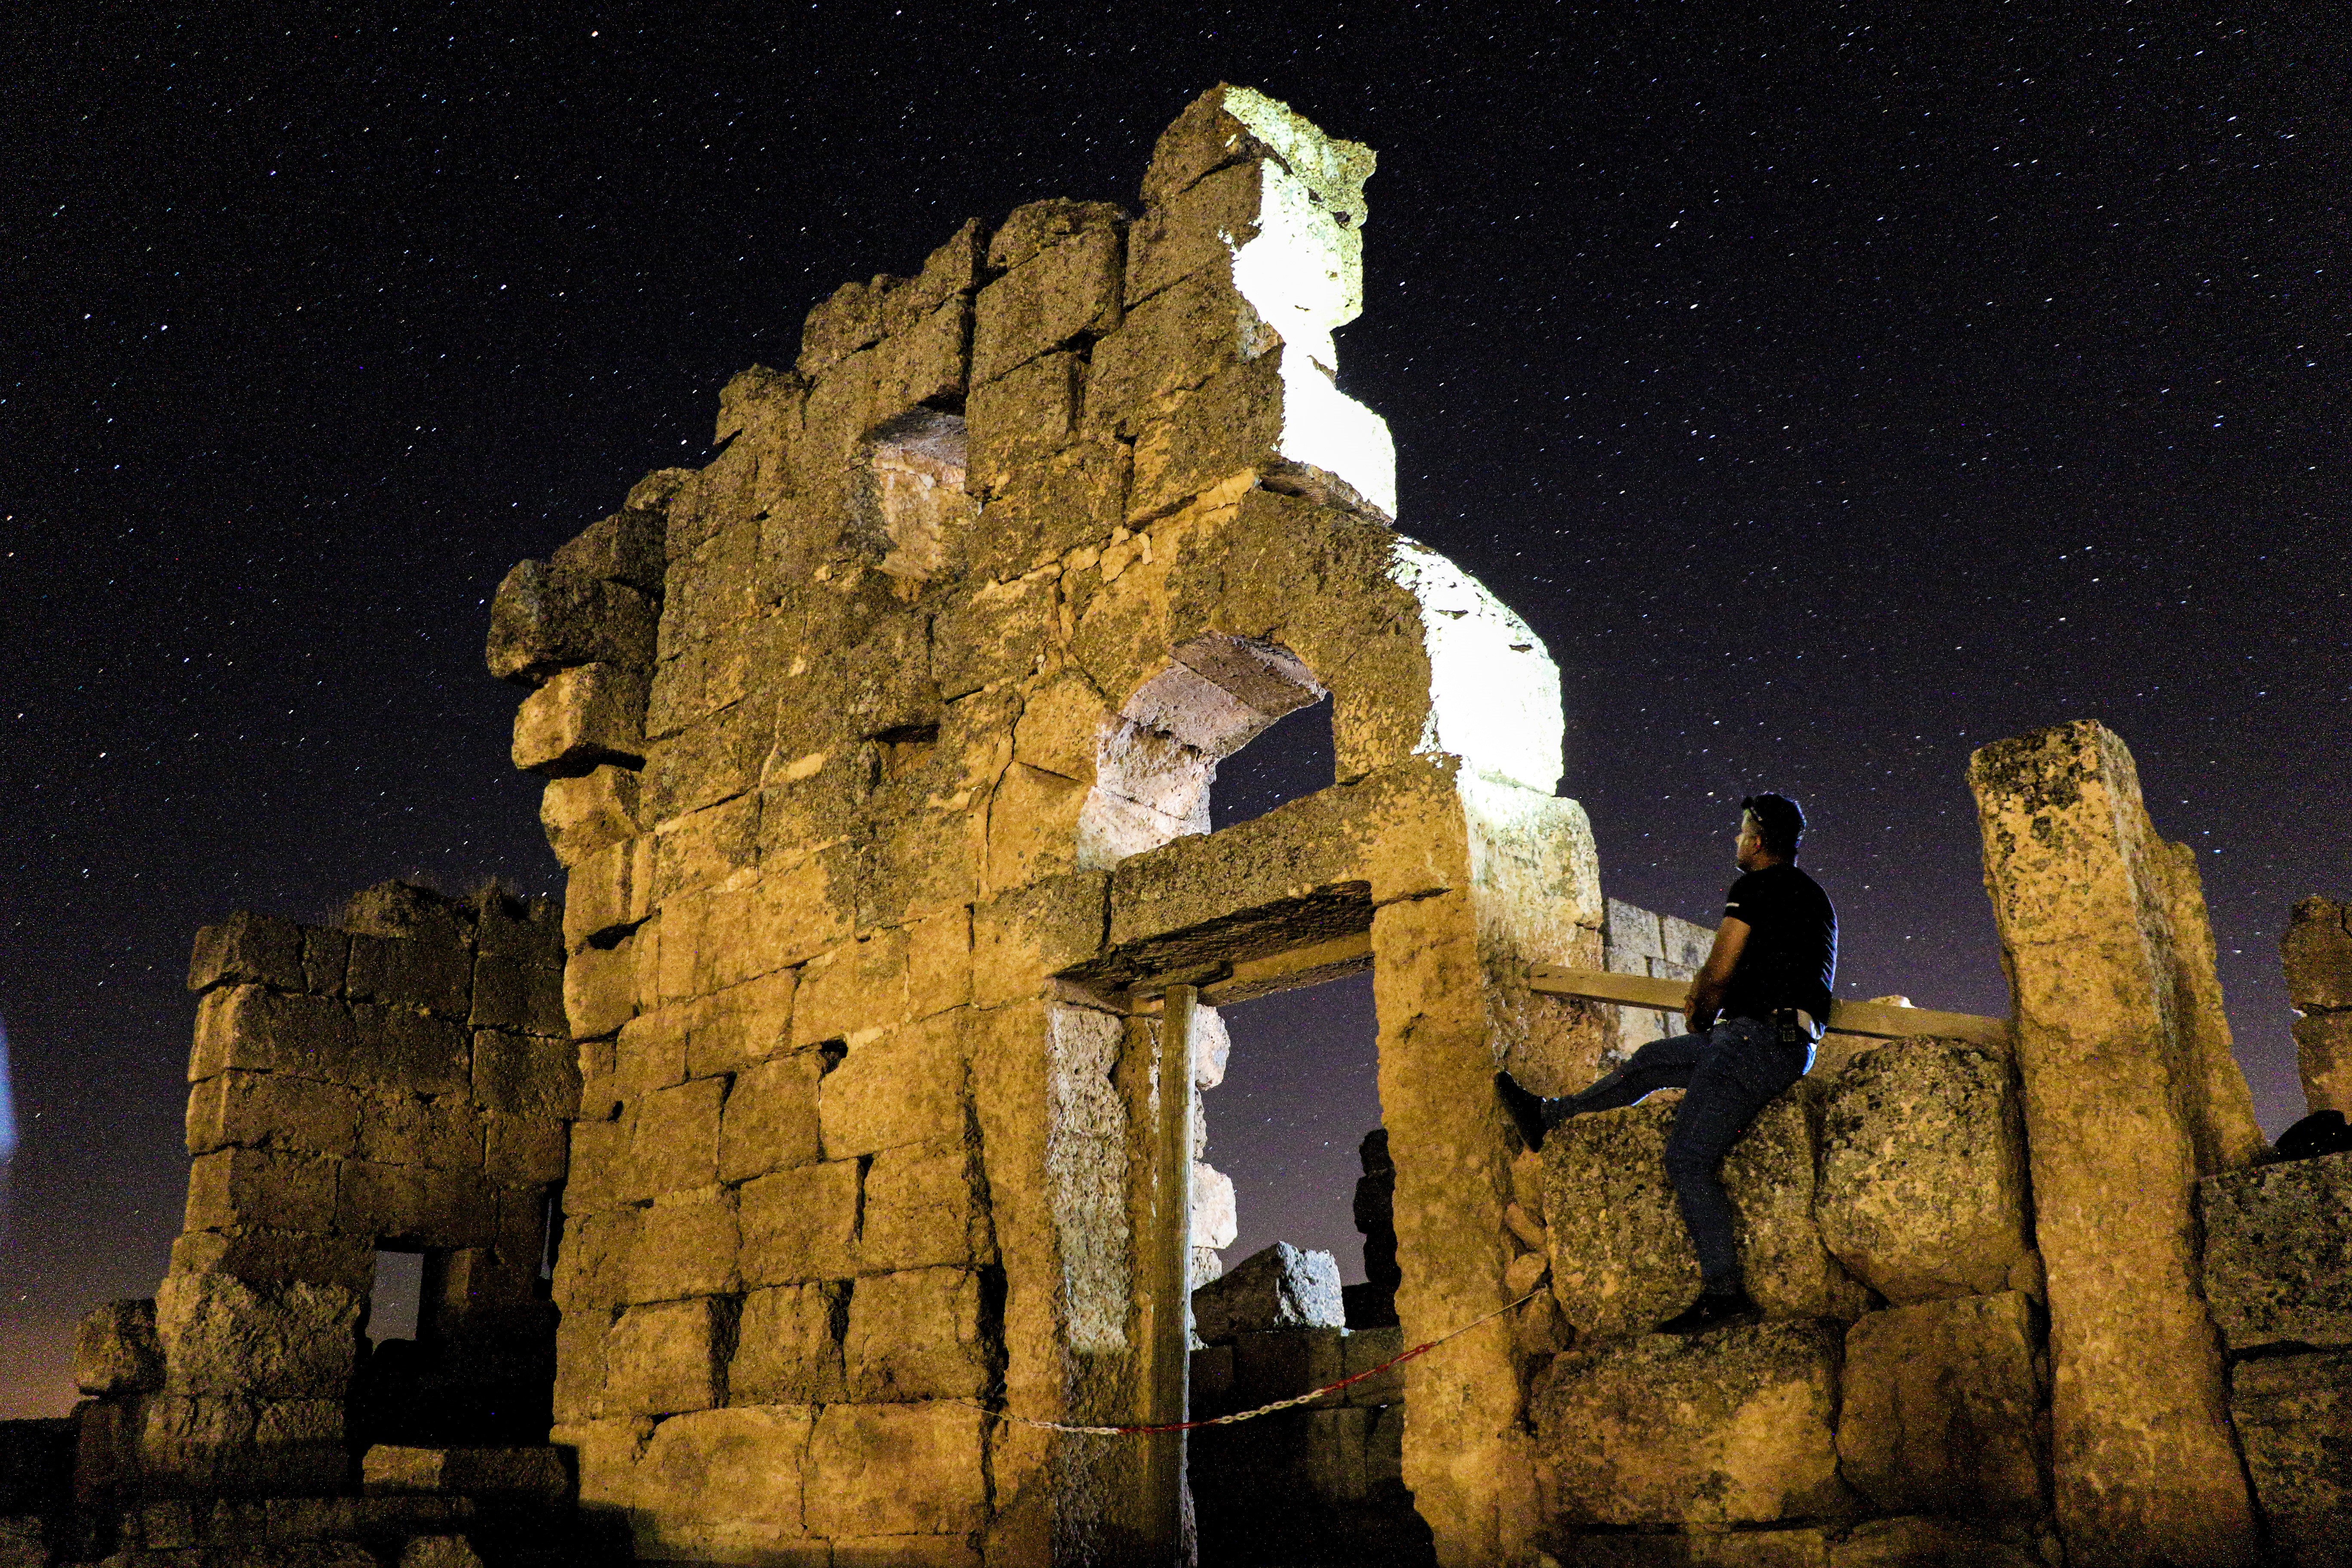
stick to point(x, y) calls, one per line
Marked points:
point(846, 1120)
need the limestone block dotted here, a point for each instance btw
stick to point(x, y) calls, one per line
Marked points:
point(1917, 1542)
point(526, 1075)
point(650, 1051)
point(238, 1443)
point(234, 1186)
point(2323, 1045)
point(920, 1210)
point(926, 363)
point(434, 1551)
point(1806, 1547)
point(906, 1551)
point(545, 618)
point(1066, 291)
point(1278, 415)
point(1071, 500)
point(856, 990)
point(445, 1134)
point(852, 317)
point(416, 1204)
point(1034, 826)
point(1039, 226)
point(626, 547)
point(741, 1026)
point(261, 1253)
point(1363, 1350)
point(592, 810)
point(1019, 937)
point(1941, 1405)
point(600, 1144)
point(272, 1110)
point(222, 1335)
point(2293, 1419)
point(511, 995)
point(248, 950)
point(706, 846)
point(939, 963)
point(725, 1486)
point(896, 1469)
point(685, 1246)
point(582, 1335)
point(2278, 1253)
point(1020, 418)
point(388, 1469)
point(1280, 1287)
point(916, 1335)
point(805, 911)
point(326, 959)
point(116, 1350)
point(712, 586)
point(608, 891)
point(714, 758)
point(2316, 951)
point(400, 1049)
point(800, 1224)
point(1727, 1428)
point(595, 1265)
point(669, 1356)
point(1229, 125)
point(902, 1087)
point(604, 1456)
point(1621, 1259)
point(250, 1028)
point(1215, 1222)
point(788, 1346)
point(1923, 1190)
point(1283, 1362)
point(584, 716)
point(770, 1121)
point(676, 1146)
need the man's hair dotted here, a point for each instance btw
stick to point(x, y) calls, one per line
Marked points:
point(1778, 823)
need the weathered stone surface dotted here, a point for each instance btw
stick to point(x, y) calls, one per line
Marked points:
point(896, 1469)
point(116, 1350)
point(1923, 1189)
point(1940, 1408)
point(1731, 1428)
point(770, 1120)
point(801, 1224)
point(916, 1335)
point(389, 1470)
point(1621, 1258)
point(439, 1552)
point(2278, 1253)
point(670, 1356)
point(685, 1246)
point(223, 1335)
point(788, 1345)
point(2293, 1419)
point(1065, 289)
point(1280, 1287)
point(584, 716)
point(1917, 1542)
point(626, 547)
point(546, 618)
point(920, 1210)
point(248, 950)
point(2126, 1106)
point(272, 1110)
point(2315, 949)
point(724, 1486)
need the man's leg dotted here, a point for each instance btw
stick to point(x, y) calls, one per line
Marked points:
point(1661, 1064)
point(1743, 1070)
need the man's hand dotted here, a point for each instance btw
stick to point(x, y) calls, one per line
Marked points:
point(1705, 999)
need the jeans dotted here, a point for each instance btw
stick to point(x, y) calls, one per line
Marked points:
point(1731, 1072)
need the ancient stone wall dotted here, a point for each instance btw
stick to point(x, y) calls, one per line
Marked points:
point(2316, 950)
point(871, 905)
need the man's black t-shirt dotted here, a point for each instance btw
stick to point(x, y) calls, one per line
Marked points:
point(1791, 957)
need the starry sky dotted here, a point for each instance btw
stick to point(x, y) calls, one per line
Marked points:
point(1836, 390)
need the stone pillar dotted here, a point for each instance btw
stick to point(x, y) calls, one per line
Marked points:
point(2317, 952)
point(2129, 1096)
point(1168, 1287)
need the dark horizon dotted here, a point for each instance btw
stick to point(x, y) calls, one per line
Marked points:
point(1832, 398)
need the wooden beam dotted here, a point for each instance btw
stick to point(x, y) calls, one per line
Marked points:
point(1873, 1018)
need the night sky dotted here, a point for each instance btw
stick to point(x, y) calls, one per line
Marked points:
point(1834, 393)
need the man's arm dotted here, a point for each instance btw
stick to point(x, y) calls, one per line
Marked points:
point(1705, 997)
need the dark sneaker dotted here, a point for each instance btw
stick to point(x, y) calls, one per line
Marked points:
point(1526, 1109)
point(1713, 1310)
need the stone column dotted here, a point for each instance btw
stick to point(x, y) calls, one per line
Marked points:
point(2317, 952)
point(2129, 1096)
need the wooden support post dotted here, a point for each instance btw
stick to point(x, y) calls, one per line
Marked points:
point(1167, 1280)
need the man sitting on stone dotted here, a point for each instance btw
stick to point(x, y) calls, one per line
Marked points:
point(1756, 1010)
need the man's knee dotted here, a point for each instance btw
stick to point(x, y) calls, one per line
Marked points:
point(1686, 1161)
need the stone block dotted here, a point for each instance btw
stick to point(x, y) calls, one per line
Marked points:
point(526, 1075)
point(650, 1051)
point(1917, 1542)
point(252, 1027)
point(715, 758)
point(595, 1265)
point(770, 1121)
point(735, 1029)
point(1728, 1428)
point(1067, 291)
point(545, 618)
point(226, 1336)
point(1805, 1547)
point(725, 1486)
point(2294, 1419)
point(592, 810)
point(918, 1335)
point(1023, 416)
point(902, 1087)
point(389, 1470)
point(801, 1224)
point(1622, 1261)
point(1284, 1363)
point(432, 1552)
point(685, 1246)
point(405, 1130)
point(1215, 1221)
point(400, 1049)
point(1279, 1287)
point(1239, 125)
point(2323, 1046)
point(920, 1210)
point(525, 996)
point(851, 318)
point(584, 716)
point(248, 950)
point(1072, 499)
point(1169, 345)
point(414, 1204)
point(272, 1110)
point(1366, 1349)
point(804, 910)
point(607, 892)
point(1923, 1185)
point(1040, 226)
point(2278, 1253)
point(264, 1254)
point(853, 991)
point(670, 1356)
point(581, 1336)
point(2317, 952)
point(788, 1346)
point(896, 1469)
point(231, 1443)
point(939, 963)
point(116, 1350)
point(1018, 938)
point(1941, 1408)
point(676, 1143)
point(604, 1454)
point(237, 1186)
point(626, 547)
point(906, 1551)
